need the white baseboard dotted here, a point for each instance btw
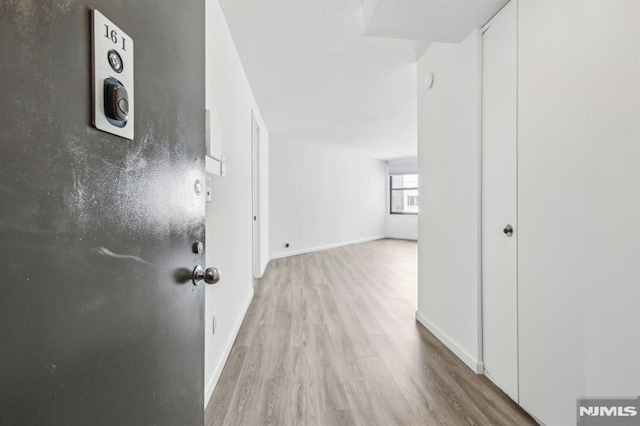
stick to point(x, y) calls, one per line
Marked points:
point(211, 385)
point(327, 247)
point(470, 361)
point(400, 237)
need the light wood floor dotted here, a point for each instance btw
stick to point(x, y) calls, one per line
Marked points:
point(331, 339)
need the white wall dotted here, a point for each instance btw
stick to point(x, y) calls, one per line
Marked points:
point(403, 226)
point(229, 216)
point(403, 166)
point(264, 198)
point(322, 196)
point(579, 203)
point(449, 220)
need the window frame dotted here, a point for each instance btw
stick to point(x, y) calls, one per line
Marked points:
point(391, 189)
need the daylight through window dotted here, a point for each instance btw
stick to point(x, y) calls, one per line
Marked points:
point(403, 194)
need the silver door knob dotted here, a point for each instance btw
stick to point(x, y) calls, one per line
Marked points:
point(209, 275)
point(508, 230)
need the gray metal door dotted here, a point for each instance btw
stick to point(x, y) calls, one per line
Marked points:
point(100, 323)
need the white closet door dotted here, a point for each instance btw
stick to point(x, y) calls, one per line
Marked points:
point(499, 201)
point(578, 204)
point(255, 189)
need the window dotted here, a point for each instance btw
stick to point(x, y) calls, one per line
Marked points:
point(403, 194)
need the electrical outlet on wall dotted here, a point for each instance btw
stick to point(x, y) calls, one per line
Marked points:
point(286, 245)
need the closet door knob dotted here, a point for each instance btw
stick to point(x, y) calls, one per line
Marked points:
point(508, 230)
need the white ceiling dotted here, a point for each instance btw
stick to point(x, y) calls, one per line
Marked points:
point(317, 78)
point(447, 21)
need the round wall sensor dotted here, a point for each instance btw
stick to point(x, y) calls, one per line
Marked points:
point(428, 81)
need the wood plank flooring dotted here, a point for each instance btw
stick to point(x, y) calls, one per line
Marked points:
point(331, 339)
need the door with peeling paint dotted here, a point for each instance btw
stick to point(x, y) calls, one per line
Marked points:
point(99, 321)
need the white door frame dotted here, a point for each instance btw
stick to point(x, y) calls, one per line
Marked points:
point(255, 195)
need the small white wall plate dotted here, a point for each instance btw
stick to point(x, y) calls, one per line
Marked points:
point(106, 38)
